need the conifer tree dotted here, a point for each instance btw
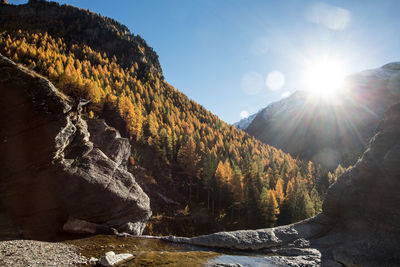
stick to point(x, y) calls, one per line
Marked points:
point(188, 160)
point(209, 166)
point(316, 201)
point(303, 207)
point(269, 207)
point(279, 191)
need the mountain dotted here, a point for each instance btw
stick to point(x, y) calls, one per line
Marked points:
point(245, 122)
point(330, 131)
point(294, 100)
point(360, 221)
point(200, 173)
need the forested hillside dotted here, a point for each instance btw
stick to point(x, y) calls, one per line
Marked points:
point(189, 154)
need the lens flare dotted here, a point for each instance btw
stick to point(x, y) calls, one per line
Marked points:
point(332, 17)
point(275, 80)
point(325, 77)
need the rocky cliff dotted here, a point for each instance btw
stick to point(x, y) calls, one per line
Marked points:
point(57, 166)
point(360, 222)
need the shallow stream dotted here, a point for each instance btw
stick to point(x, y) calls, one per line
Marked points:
point(154, 252)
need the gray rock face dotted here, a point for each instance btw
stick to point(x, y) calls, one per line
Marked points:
point(99, 158)
point(55, 165)
point(360, 222)
point(256, 239)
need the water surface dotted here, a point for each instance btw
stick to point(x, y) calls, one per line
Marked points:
point(154, 252)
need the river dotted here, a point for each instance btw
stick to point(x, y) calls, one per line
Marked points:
point(154, 252)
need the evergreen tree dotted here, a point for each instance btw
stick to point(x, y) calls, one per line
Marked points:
point(287, 209)
point(316, 201)
point(303, 207)
point(188, 160)
point(209, 166)
point(269, 207)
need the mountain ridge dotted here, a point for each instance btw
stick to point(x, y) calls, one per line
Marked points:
point(127, 47)
point(349, 120)
point(244, 123)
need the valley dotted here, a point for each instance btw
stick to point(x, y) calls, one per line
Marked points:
point(99, 153)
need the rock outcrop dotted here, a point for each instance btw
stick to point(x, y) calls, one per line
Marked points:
point(360, 222)
point(56, 165)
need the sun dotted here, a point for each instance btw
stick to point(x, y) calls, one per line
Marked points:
point(324, 77)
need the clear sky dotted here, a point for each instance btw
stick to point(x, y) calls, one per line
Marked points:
point(235, 57)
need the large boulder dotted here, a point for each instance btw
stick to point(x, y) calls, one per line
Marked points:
point(55, 165)
point(360, 222)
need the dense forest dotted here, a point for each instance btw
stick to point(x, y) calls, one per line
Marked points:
point(188, 154)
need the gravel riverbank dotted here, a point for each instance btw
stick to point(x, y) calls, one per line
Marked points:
point(38, 253)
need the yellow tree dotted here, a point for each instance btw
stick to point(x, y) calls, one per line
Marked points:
point(269, 207)
point(220, 172)
point(135, 122)
point(132, 116)
point(223, 173)
point(289, 189)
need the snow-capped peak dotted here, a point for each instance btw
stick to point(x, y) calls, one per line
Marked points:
point(245, 122)
point(274, 107)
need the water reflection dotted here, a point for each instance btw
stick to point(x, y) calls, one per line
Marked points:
point(244, 261)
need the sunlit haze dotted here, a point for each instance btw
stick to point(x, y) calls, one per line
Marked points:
point(235, 57)
point(324, 78)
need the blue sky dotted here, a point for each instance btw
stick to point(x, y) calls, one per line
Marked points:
point(220, 53)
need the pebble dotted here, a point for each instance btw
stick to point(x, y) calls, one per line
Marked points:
point(38, 253)
point(93, 260)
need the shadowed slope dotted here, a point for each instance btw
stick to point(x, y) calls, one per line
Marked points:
point(360, 222)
